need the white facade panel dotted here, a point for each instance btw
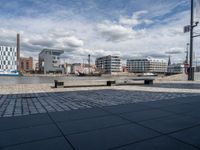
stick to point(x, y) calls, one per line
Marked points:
point(8, 58)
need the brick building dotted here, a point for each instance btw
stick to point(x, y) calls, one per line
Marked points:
point(26, 64)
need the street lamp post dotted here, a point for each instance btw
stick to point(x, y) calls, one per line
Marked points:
point(191, 70)
point(89, 63)
point(187, 53)
point(190, 28)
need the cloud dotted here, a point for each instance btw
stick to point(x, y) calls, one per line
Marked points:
point(123, 29)
point(42, 42)
point(115, 32)
point(73, 41)
point(99, 29)
point(174, 51)
point(136, 19)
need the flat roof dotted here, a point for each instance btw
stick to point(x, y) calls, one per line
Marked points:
point(53, 50)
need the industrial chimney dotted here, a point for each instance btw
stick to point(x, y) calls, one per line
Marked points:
point(18, 51)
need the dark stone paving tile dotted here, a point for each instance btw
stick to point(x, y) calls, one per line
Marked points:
point(183, 108)
point(163, 103)
point(195, 114)
point(196, 105)
point(110, 137)
point(78, 114)
point(126, 108)
point(177, 85)
point(145, 115)
point(191, 136)
point(160, 143)
point(90, 124)
point(190, 99)
point(23, 121)
point(50, 144)
point(18, 136)
point(171, 123)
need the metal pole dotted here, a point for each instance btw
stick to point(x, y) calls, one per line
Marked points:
point(187, 53)
point(18, 51)
point(191, 70)
point(89, 63)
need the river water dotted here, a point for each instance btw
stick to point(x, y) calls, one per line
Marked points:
point(44, 79)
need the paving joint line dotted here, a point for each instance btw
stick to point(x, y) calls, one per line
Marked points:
point(55, 123)
point(32, 141)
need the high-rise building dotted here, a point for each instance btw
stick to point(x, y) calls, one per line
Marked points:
point(49, 61)
point(109, 64)
point(147, 65)
point(8, 59)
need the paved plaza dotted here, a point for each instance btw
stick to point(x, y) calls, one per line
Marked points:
point(124, 117)
point(26, 104)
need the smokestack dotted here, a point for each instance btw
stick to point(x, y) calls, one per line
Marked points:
point(18, 51)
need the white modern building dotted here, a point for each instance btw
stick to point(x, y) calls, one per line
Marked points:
point(175, 69)
point(66, 68)
point(109, 64)
point(8, 60)
point(147, 65)
point(49, 61)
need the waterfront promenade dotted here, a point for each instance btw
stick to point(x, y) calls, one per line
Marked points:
point(160, 116)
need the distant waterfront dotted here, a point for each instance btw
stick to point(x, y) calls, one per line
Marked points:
point(40, 79)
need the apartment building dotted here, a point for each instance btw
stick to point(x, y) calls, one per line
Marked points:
point(109, 64)
point(147, 65)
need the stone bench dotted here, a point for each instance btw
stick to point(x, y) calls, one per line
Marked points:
point(63, 84)
point(110, 83)
point(147, 81)
point(58, 83)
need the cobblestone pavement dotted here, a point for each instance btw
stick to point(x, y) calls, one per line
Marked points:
point(25, 104)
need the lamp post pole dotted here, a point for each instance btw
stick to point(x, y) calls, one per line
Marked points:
point(187, 53)
point(89, 64)
point(191, 70)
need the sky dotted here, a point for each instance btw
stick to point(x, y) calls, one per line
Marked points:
point(128, 28)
